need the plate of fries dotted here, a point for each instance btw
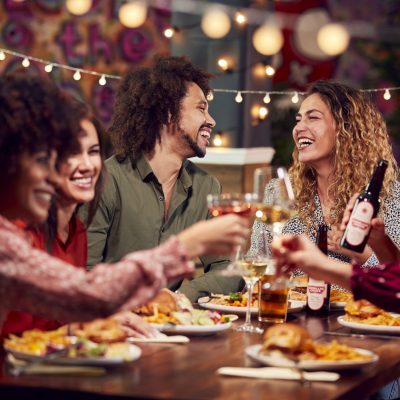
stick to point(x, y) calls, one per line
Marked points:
point(329, 357)
point(56, 347)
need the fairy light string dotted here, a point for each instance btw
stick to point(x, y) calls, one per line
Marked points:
point(78, 72)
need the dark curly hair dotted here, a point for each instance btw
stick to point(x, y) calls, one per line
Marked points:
point(34, 116)
point(149, 98)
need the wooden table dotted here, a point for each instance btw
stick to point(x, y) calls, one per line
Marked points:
point(189, 372)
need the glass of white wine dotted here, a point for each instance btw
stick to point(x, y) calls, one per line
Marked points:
point(251, 268)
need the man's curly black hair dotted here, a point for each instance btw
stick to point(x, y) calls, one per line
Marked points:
point(149, 98)
point(34, 116)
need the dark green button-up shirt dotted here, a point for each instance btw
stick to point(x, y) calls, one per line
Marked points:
point(130, 216)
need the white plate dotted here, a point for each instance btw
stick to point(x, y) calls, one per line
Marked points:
point(295, 306)
point(134, 354)
point(194, 330)
point(254, 353)
point(336, 305)
point(358, 326)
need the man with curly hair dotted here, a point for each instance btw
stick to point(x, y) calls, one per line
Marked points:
point(160, 120)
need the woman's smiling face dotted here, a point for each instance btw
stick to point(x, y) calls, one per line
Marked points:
point(315, 132)
point(80, 172)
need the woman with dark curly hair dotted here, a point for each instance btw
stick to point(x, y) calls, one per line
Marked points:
point(36, 120)
point(161, 118)
point(339, 136)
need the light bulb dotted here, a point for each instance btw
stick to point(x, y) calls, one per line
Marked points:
point(239, 97)
point(333, 39)
point(268, 40)
point(262, 112)
point(210, 96)
point(269, 70)
point(48, 67)
point(215, 22)
point(2, 55)
point(102, 80)
point(267, 99)
point(77, 75)
point(387, 95)
point(240, 18)
point(217, 141)
point(25, 62)
point(223, 64)
point(169, 32)
point(295, 98)
point(133, 14)
point(78, 7)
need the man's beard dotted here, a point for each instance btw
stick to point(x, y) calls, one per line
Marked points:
point(197, 150)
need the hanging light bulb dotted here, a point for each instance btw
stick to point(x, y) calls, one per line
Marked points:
point(268, 39)
point(239, 97)
point(2, 55)
point(240, 18)
point(223, 64)
point(78, 7)
point(25, 62)
point(267, 98)
point(333, 39)
point(387, 95)
point(77, 75)
point(215, 22)
point(269, 70)
point(102, 80)
point(133, 14)
point(210, 96)
point(295, 98)
point(48, 67)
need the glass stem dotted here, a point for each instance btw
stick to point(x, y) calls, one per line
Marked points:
point(249, 299)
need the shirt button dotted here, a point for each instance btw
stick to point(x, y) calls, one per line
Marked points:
point(161, 198)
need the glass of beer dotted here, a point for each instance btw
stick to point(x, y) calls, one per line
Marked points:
point(273, 297)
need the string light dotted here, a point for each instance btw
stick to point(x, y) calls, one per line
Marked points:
point(240, 18)
point(262, 112)
point(102, 80)
point(77, 75)
point(239, 97)
point(210, 96)
point(169, 32)
point(217, 140)
point(25, 62)
point(223, 64)
point(48, 67)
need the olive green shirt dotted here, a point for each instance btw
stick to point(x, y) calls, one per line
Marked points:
point(130, 216)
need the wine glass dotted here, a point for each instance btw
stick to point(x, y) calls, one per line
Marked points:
point(276, 198)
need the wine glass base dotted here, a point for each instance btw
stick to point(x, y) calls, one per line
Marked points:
point(249, 329)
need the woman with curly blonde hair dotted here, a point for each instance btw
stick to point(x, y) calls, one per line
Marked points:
point(339, 136)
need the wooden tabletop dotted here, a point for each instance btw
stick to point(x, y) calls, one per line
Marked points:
point(171, 371)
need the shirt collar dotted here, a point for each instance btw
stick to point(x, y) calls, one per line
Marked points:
point(146, 173)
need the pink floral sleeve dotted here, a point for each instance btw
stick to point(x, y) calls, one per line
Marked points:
point(35, 282)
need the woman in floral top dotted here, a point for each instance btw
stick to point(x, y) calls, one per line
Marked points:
point(36, 119)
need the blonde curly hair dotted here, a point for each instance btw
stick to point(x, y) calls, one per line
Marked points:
point(361, 140)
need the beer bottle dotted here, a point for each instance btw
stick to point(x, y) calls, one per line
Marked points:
point(366, 207)
point(318, 292)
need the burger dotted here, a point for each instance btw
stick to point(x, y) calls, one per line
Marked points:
point(288, 339)
point(299, 289)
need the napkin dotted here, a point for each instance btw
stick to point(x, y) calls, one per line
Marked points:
point(160, 339)
point(18, 367)
point(279, 373)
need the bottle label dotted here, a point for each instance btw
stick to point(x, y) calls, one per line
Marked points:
point(317, 291)
point(360, 221)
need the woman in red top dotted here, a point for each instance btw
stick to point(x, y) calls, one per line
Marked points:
point(36, 119)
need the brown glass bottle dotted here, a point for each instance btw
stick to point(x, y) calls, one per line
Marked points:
point(356, 235)
point(318, 292)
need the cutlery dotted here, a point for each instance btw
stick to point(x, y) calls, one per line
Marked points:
point(18, 367)
point(361, 336)
point(279, 373)
point(163, 339)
